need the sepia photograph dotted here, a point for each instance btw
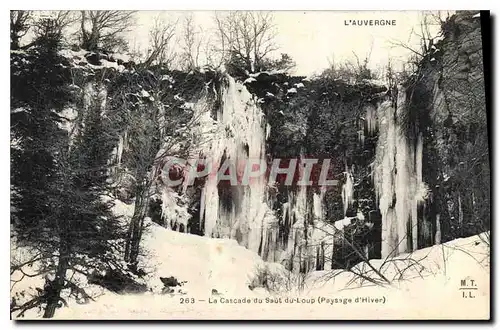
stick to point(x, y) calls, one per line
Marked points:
point(250, 165)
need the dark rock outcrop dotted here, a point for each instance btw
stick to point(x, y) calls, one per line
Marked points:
point(447, 104)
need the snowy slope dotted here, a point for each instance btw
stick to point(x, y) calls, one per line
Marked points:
point(221, 268)
point(429, 289)
point(205, 264)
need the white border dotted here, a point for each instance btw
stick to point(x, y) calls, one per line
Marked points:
point(257, 5)
point(196, 5)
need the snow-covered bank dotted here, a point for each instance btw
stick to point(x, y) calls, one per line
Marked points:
point(220, 269)
point(424, 284)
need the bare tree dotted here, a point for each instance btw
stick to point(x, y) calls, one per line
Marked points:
point(191, 44)
point(246, 37)
point(363, 71)
point(350, 71)
point(155, 122)
point(350, 254)
point(103, 29)
point(161, 37)
point(425, 34)
point(52, 25)
point(20, 23)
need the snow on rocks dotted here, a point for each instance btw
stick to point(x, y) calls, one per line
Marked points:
point(177, 97)
point(168, 78)
point(18, 110)
point(249, 80)
point(188, 106)
point(375, 82)
point(113, 65)
point(220, 269)
point(69, 115)
point(270, 73)
point(432, 275)
point(204, 263)
point(145, 95)
point(340, 224)
point(120, 57)
point(93, 61)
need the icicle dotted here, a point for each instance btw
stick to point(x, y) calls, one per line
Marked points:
point(437, 237)
point(383, 176)
point(460, 211)
point(347, 191)
point(403, 185)
point(300, 209)
point(103, 95)
point(418, 159)
point(119, 151)
point(361, 136)
point(239, 135)
point(318, 205)
point(371, 119)
point(398, 180)
point(172, 212)
point(268, 131)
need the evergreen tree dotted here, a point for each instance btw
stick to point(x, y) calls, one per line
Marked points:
point(38, 93)
point(89, 162)
point(58, 191)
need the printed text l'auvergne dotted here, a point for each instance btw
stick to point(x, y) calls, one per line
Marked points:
point(370, 22)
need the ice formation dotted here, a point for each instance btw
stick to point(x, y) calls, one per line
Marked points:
point(347, 190)
point(237, 131)
point(371, 119)
point(239, 135)
point(173, 213)
point(398, 180)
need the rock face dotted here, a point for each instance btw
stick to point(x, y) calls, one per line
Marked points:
point(412, 163)
point(170, 281)
point(417, 157)
point(447, 105)
point(321, 119)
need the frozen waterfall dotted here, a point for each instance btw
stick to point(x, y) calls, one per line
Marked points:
point(398, 180)
point(239, 136)
point(237, 131)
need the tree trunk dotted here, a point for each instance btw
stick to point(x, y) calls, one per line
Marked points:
point(136, 224)
point(53, 288)
point(14, 41)
point(90, 40)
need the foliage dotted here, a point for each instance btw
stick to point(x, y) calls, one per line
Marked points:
point(103, 29)
point(246, 39)
point(19, 26)
point(59, 189)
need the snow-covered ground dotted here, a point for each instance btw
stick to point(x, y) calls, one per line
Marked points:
point(220, 269)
